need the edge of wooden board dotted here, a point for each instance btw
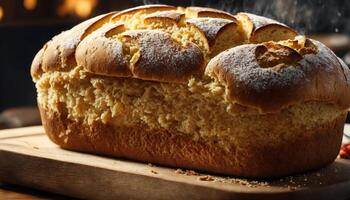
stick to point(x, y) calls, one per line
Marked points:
point(73, 174)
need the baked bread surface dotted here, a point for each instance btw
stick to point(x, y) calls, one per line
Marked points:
point(194, 87)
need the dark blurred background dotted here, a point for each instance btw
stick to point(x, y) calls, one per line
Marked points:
point(25, 25)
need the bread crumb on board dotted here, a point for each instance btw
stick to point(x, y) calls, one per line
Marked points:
point(187, 172)
point(309, 179)
point(244, 182)
point(150, 164)
point(152, 171)
point(315, 178)
point(204, 177)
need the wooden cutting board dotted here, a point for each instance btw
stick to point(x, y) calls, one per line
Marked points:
point(28, 158)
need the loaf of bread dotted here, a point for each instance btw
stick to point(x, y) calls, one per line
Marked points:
point(194, 88)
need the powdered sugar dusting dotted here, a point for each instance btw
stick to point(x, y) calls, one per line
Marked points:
point(324, 58)
point(70, 39)
point(62, 47)
point(241, 64)
point(209, 26)
point(313, 77)
point(163, 59)
point(101, 54)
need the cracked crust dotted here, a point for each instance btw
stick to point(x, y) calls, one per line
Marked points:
point(103, 55)
point(161, 59)
point(103, 52)
point(211, 27)
point(58, 53)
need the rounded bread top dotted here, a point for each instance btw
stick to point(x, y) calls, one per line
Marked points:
point(270, 76)
point(262, 63)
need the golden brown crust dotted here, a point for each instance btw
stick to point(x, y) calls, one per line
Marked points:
point(103, 55)
point(173, 45)
point(261, 29)
point(280, 79)
point(35, 69)
point(96, 23)
point(145, 8)
point(209, 12)
point(211, 27)
point(162, 59)
point(316, 148)
point(58, 54)
point(346, 70)
point(171, 15)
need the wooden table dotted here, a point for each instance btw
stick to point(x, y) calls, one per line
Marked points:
point(13, 192)
point(25, 151)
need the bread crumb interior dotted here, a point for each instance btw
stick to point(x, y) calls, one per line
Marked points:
point(199, 108)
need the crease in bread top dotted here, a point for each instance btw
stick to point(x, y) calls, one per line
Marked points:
point(162, 59)
point(220, 34)
point(214, 32)
point(210, 26)
point(188, 47)
point(254, 58)
point(197, 12)
point(144, 9)
point(171, 15)
point(261, 29)
point(99, 53)
point(59, 52)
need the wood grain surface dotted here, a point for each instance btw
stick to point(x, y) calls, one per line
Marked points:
point(28, 158)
